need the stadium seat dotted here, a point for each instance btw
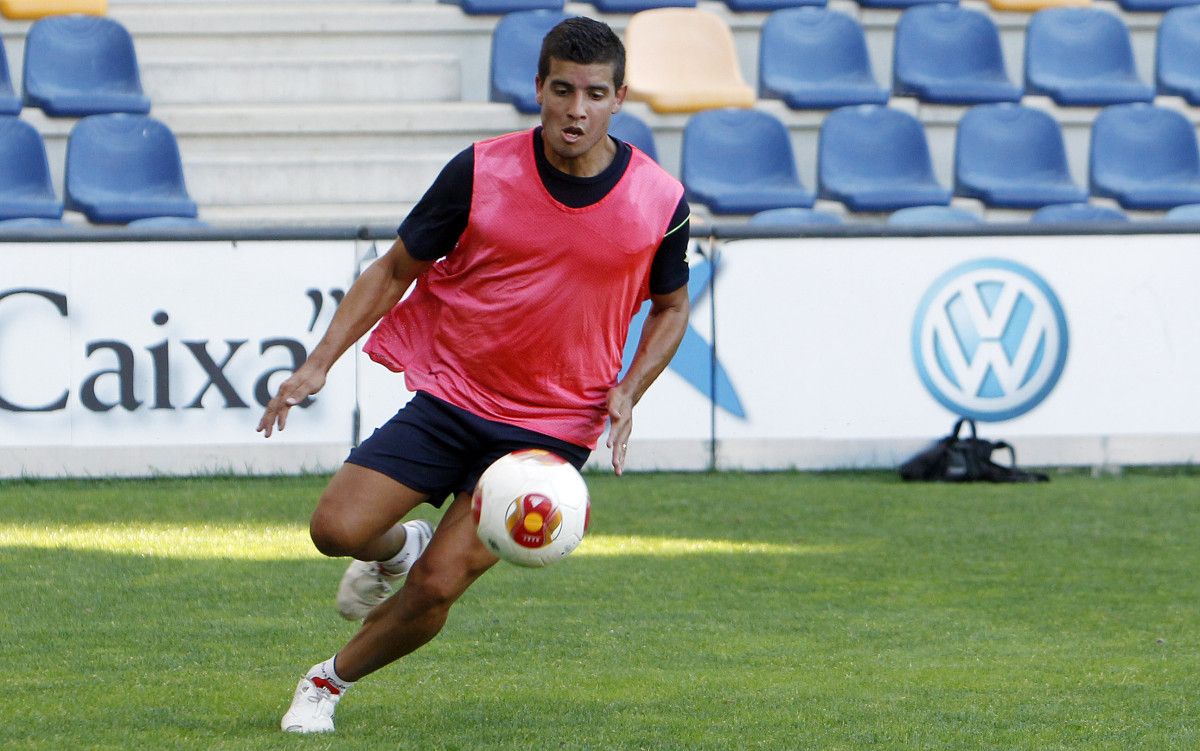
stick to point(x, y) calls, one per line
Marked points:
point(1012, 156)
point(635, 6)
point(1082, 56)
point(683, 60)
point(26, 190)
point(1077, 213)
point(740, 161)
point(874, 158)
point(31, 10)
point(925, 215)
point(1177, 54)
point(124, 167)
point(81, 65)
point(633, 130)
point(500, 7)
point(1189, 212)
point(813, 58)
point(10, 103)
point(1145, 157)
point(1153, 6)
point(947, 54)
point(789, 217)
point(516, 43)
point(749, 6)
point(1033, 6)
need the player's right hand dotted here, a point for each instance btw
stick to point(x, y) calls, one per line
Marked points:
point(302, 384)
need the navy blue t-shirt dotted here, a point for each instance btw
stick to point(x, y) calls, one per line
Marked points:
point(433, 227)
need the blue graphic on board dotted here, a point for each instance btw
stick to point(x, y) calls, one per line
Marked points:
point(990, 339)
point(694, 359)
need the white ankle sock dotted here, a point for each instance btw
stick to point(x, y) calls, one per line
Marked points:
point(401, 562)
point(324, 673)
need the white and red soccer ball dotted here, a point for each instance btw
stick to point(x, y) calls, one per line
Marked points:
point(531, 508)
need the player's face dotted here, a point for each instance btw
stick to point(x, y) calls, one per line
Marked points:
point(577, 103)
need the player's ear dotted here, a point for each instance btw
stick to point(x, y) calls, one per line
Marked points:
point(537, 86)
point(619, 98)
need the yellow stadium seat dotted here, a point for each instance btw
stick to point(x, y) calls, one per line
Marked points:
point(29, 10)
point(1033, 6)
point(683, 60)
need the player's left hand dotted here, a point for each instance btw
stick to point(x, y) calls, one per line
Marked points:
point(620, 426)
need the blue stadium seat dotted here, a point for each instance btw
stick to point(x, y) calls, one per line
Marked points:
point(81, 65)
point(1189, 212)
point(874, 158)
point(10, 103)
point(794, 216)
point(25, 187)
point(813, 58)
point(740, 161)
point(1177, 54)
point(1145, 157)
point(516, 43)
point(947, 54)
point(125, 167)
point(1081, 57)
point(1153, 6)
point(1012, 156)
point(633, 130)
point(635, 6)
point(500, 7)
point(747, 6)
point(929, 215)
point(1077, 213)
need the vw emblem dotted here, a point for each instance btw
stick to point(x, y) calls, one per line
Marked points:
point(990, 339)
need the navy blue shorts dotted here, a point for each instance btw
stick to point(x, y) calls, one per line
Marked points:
point(437, 448)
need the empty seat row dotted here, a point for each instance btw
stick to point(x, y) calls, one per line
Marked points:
point(813, 58)
point(74, 66)
point(873, 158)
point(119, 168)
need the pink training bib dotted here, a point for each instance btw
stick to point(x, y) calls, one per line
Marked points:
point(525, 320)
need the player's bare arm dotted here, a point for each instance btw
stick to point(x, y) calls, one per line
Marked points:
point(372, 295)
point(661, 335)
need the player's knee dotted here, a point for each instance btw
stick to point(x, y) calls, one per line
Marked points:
point(431, 588)
point(332, 536)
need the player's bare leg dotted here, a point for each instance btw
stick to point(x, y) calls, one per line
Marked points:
point(452, 562)
point(359, 515)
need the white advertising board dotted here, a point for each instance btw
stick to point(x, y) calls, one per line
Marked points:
point(855, 351)
point(135, 358)
point(145, 358)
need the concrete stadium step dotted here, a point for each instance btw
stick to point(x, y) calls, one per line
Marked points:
point(371, 128)
point(329, 81)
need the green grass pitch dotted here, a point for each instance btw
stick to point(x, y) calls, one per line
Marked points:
point(728, 611)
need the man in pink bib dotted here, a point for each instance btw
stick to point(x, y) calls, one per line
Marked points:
point(531, 253)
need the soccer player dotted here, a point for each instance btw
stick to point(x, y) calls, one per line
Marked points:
point(549, 241)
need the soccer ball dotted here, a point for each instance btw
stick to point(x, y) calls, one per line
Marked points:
point(531, 508)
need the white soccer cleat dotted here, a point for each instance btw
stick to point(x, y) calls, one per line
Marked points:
point(366, 584)
point(312, 707)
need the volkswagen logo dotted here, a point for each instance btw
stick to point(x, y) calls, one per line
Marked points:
point(990, 339)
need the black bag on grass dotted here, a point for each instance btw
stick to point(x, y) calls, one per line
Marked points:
point(968, 459)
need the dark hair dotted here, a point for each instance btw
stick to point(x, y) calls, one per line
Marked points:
point(584, 41)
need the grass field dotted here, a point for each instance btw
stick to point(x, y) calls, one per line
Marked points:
point(731, 611)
